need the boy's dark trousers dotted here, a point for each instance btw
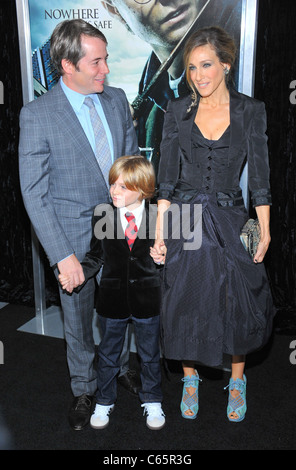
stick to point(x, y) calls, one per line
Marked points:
point(147, 340)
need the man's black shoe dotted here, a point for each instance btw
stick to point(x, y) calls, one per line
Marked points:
point(130, 381)
point(80, 412)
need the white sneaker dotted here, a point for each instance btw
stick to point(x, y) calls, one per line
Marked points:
point(155, 416)
point(100, 417)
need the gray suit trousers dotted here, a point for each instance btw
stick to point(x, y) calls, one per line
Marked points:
point(78, 310)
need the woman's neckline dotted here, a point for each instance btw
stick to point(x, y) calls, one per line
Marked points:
point(213, 140)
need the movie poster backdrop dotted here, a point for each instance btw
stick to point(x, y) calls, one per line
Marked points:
point(145, 44)
point(136, 30)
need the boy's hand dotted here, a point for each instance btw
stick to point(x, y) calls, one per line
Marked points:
point(158, 252)
point(65, 283)
point(72, 271)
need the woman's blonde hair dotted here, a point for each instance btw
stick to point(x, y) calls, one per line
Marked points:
point(220, 41)
point(137, 173)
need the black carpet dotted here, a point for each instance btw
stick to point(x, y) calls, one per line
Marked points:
point(35, 397)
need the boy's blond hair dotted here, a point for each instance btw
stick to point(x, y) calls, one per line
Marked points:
point(137, 173)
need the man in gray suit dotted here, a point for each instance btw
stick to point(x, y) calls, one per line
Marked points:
point(63, 178)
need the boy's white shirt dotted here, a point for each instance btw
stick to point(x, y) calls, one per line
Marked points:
point(138, 213)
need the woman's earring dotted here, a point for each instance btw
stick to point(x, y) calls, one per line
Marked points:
point(226, 71)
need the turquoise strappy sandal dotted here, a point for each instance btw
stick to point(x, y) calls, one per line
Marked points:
point(190, 402)
point(237, 404)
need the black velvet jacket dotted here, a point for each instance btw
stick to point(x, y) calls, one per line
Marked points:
point(248, 142)
point(130, 280)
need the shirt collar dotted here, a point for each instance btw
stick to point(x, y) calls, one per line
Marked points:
point(136, 212)
point(76, 99)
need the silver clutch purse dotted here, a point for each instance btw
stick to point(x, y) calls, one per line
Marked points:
point(250, 236)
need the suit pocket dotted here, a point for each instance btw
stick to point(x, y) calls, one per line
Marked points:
point(67, 210)
point(110, 283)
point(145, 282)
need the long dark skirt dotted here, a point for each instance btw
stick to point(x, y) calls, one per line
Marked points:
point(216, 300)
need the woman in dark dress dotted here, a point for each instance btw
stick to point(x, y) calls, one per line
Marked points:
point(216, 299)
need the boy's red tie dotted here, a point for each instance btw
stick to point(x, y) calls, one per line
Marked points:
point(131, 229)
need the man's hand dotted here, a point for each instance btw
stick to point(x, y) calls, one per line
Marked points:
point(71, 268)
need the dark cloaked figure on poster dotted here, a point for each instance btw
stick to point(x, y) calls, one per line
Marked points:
point(63, 170)
point(164, 25)
point(130, 289)
point(216, 298)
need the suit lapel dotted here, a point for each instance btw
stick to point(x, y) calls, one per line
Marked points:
point(110, 114)
point(68, 122)
point(236, 124)
point(118, 230)
point(146, 230)
point(186, 125)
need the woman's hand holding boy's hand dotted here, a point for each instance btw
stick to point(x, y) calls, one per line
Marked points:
point(158, 252)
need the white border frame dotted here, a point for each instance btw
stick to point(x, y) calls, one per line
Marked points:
point(23, 21)
point(247, 58)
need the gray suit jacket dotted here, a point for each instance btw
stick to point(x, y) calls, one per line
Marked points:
point(60, 178)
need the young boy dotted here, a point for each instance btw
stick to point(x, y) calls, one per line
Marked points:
point(129, 286)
